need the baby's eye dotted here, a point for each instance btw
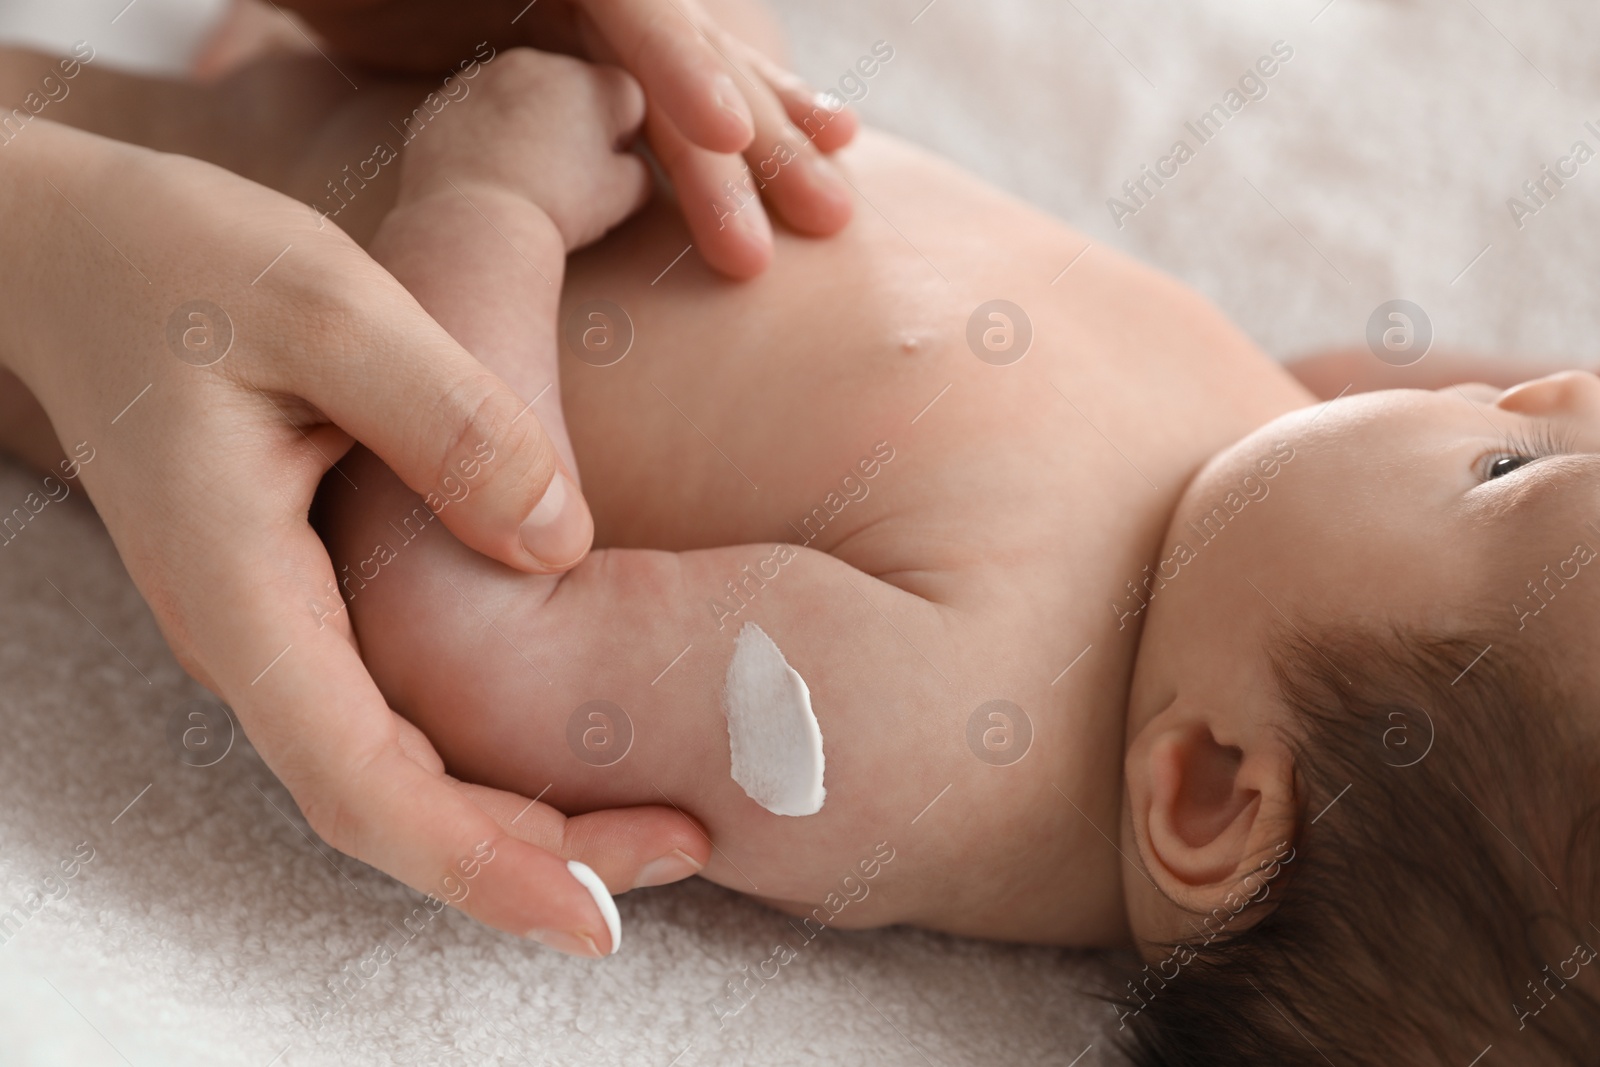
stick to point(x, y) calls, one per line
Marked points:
point(1504, 465)
point(1523, 448)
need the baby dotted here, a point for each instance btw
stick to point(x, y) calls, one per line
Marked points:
point(959, 572)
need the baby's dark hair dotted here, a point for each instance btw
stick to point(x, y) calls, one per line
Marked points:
point(1447, 901)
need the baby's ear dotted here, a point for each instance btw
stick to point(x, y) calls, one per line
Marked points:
point(1212, 804)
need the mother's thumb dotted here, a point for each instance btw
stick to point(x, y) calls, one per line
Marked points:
point(478, 456)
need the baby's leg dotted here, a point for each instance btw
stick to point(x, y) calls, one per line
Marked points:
point(605, 688)
point(1340, 371)
point(488, 267)
point(503, 670)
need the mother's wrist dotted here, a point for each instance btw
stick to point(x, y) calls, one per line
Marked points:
point(25, 237)
point(49, 182)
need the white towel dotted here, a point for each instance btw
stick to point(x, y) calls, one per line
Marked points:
point(1377, 166)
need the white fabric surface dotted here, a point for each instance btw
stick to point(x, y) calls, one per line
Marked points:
point(1381, 160)
point(208, 919)
point(1391, 142)
point(148, 35)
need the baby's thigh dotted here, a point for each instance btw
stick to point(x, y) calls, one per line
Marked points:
point(527, 686)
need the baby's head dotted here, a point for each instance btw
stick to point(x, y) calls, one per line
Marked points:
point(1363, 768)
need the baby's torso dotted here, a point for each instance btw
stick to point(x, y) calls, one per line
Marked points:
point(957, 395)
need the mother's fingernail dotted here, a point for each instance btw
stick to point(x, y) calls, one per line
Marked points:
point(602, 899)
point(673, 867)
point(821, 171)
point(559, 529)
point(823, 176)
point(731, 100)
point(755, 224)
point(563, 941)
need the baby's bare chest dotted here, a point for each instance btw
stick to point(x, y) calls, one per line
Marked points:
point(967, 399)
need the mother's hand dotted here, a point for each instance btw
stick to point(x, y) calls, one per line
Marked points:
point(219, 347)
point(712, 99)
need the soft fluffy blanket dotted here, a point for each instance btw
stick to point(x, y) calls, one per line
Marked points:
point(1383, 158)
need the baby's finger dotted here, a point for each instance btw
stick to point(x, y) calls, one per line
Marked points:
point(621, 100)
point(718, 200)
point(802, 186)
point(629, 848)
point(656, 41)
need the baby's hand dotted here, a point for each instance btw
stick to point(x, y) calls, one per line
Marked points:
point(547, 128)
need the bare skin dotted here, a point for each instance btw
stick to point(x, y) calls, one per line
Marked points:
point(983, 558)
point(1406, 507)
point(227, 568)
point(972, 570)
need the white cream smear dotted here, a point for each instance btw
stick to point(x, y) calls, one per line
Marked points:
point(772, 733)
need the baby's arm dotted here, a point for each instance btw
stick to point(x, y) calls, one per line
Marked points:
point(500, 186)
point(1356, 370)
